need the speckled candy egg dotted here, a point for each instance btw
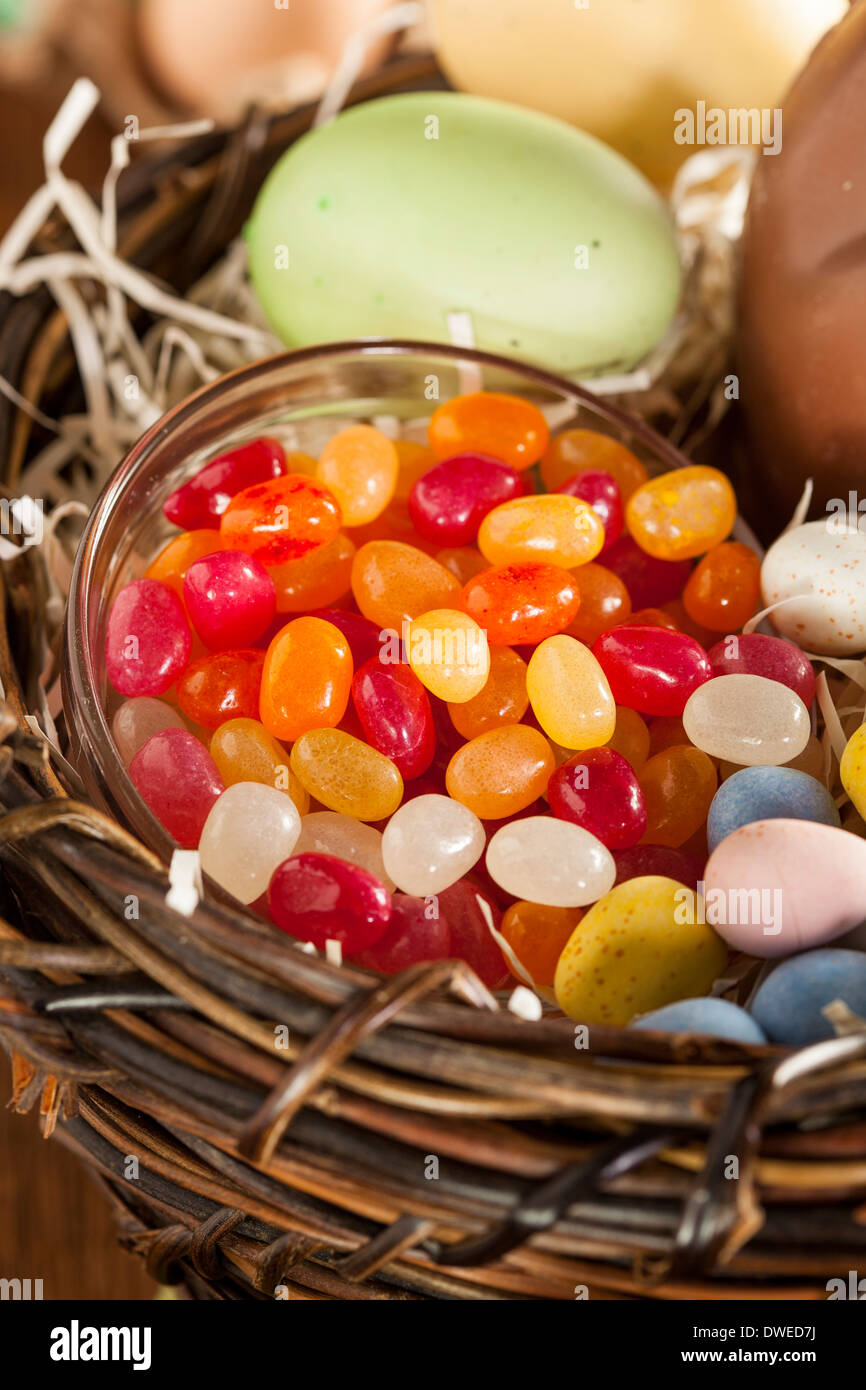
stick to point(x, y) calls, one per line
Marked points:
point(715, 1018)
point(768, 793)
point(789, 1003)
point(817, 573)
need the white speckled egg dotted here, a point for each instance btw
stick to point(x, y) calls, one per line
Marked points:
point(818, 573)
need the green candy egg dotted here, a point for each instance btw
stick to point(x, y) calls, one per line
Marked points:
point(405, 209)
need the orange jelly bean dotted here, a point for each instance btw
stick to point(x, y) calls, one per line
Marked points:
point(683, 513)
point(537, 936)
point(317, 580)
point(244, 751)
point(604, 602)
point(393, 583)
point(414, 461)
point(501, 772)
point(488, 422)
point(503, 700)
point(723, 589)
point(307, 679)
point(221, 686)
point(553, 527)
point(521, 604)
point(173, 561)
point(652, 617)
point(359, 465)
point(678, 786)
point(464, 561)
point(347, 775)
point(281, 519)
point(582, 451)
point(631, 737)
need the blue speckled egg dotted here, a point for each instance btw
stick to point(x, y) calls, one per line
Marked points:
point(768, 793)
point(715, 1017)
point(788, 1004)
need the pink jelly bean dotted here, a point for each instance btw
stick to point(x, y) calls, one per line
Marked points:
point(230, 598)
point(449, 503)
point(598, 790)
point(178, 779)
point(413, 935)
point(202, 500)
point(394, 710)
point(363, 636)
point(642, 861)
point(651, 669)
point(147, 642)
point(319, 898)
point(470, 936)
point(650, 582)
point(772, 657)
point(600, 490)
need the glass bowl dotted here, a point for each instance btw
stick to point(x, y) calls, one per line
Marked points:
point(301, 397)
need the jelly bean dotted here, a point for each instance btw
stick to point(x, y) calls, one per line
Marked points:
point(713, 1018)
point(650, 582)
point(630, 737)
point(501, 772)
point(464, 562)
point(395, 715)
point(747, 720)
point(250, 829)
point(307, 679)
point(449, 503)
point(394, 583)
point(449, 654)
point(414, 461)
point(363, 637)
point(173, 561)
point(328, 832)
point(429, 843)
point(790, 1003)
point(537, 936)
point(651, 669)
point(768, 793)
point(640, 947)
point(817, 574)
point(599, 791)
point(281, 520)
point(230, 599)
point(570, 695)
point(147, 642)
point(359, 465)
point(521, 604)
point(414, 934)
point(771, 657)
point(221, 686)
point(317, 579)
point(676, 613)
point(644, 861)
point(853, 769)
point(601, 492)
point(177, 777)
point(501, 700)
point(244, 751)
point(557, 529)
point(465, 907)
point(723, 589)
point(779, 886)
point(488, 422)
point(201, 501)
point(681, 514)
point(653, 617)
point(137, 720)
point(551, 862)
point(315, 897)
point(346, 775)
point(678, 785)
point(666, 731)
point(604, 601)
point(580, 451)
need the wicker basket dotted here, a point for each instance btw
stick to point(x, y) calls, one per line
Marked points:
point(412, 1142)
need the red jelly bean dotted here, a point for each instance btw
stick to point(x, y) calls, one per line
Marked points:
point(642, 861)
point(178, 778)
point(230, 599)
point(449, 503)
point(470, 936)
point(363, 636)
point(394, 710)
point(282, 519)
point(771, 657)
point(319, 898)
point(521, 604)
point(650, 582)
point(598, 790)
point(600, 490)
point(147, 642)
point(416, 932)
point(651, 669)
point(203, 499)
point(221, 686)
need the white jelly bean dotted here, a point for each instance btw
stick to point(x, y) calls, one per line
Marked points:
point(138, 719)
point(748, 720)
point(250, 829)
point(549, 861)
point(330, 832)
point(430, 843)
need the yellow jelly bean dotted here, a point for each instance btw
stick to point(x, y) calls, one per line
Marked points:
point(569, 693)
point(393, 582)
point(346, 774)
point(640, 946)
point(683, 513)
point(359, 465)
point(555, 528)
point(449, 654)
point(244, 751)
point(501, 772)
point(853, 769)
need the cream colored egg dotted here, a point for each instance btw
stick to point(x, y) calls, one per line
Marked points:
point(816, 574)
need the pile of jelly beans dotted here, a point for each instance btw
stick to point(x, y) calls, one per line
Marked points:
point(485, 696)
